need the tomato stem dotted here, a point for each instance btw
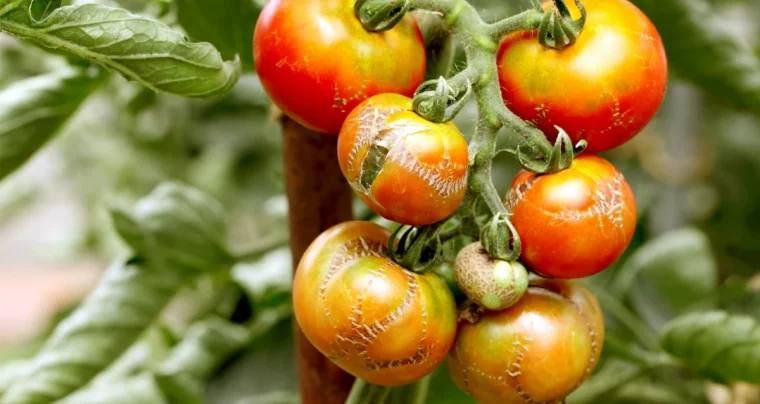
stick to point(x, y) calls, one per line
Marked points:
point(481, 44)
point(367, 393)
point(528, 20)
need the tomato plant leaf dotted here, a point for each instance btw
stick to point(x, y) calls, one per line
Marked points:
point(267, 281)
point(723, 346)
point(32, 111)
point(702, 50)
point(182, 231)
point(178, 226)
point(204, 347)
point(228, 25)
point(40, 9)
point(611, 376)
point(138, 47)
point(668, 274)
point(142, 388)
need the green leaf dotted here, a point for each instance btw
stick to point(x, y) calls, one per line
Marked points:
point(702, 50)
point(275, 397)
point(178, 226)
point(183, 230)
point(612, 375)
point(140, 48)
point(669, 275)
point(268, 281)
point(10, 371)
point(205, 346)
point(724, 347)
point(651, 393)
point(32, 111)
point(139, 389)
point(227, 24)
point(109, 320)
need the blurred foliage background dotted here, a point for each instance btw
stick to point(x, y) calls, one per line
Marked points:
point(695, 171)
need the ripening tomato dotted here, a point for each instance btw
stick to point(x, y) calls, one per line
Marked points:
point(317, 62)
point(406, 168)
point(603, 88)
point(367, 314)
point(493, 284)
point(537, 351)
point(573, 223)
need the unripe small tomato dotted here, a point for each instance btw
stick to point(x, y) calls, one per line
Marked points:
point(604, 88)
point(537, 351)
point(491, 283)
point(406, 168)
point(573, 223)
point(367, 314)
point(316, 61)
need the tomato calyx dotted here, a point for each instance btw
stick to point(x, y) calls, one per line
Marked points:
point(558, 29)
point(380, 15)
point(417, 249)
point(437, 101)
point(470, 312)
point(560, 158)
point(500, 239)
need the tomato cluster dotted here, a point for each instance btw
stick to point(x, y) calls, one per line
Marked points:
point(532, 338)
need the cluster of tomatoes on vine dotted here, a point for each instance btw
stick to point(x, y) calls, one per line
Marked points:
point(526, 333)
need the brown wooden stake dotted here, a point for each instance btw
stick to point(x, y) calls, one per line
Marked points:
point(318, 198)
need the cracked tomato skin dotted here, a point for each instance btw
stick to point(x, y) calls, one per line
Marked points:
point(316, 61)
point(537, 351)
point(406, 168)
point(573, 223)
point(371, 317)
point(605, 88)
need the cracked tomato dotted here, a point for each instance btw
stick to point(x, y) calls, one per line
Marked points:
point(371, 317)
point(406, 168)
point(573, 223)
point(537, 351)
point(316, 61)
point(604, 88)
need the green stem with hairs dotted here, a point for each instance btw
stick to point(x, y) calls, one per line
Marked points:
point(481, 44)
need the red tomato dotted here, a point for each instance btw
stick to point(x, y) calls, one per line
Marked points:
point(537, 351)
point(573, 223)
point(371, 317)
point(604, 88)
point(317, 62)
point(406, 168)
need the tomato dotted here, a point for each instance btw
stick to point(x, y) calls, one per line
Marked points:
point(407, 169)
point(491, 283)
point(603, 88)
point(537, 351)
point(371, 317)
point(317, 62)
point(573, 223)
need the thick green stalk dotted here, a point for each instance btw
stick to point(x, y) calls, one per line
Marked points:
point(481, 43)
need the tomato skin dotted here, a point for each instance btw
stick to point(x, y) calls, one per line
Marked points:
point(316, 62)
point(537, 351)
point(491, 283)
point(371, 317)
point(573, 223)
point(605, 88)
point(424, 174)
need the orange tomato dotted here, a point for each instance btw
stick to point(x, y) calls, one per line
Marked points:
point(371, 317)
point(406, 168)
point(317, 62)
point(537, 351)
point(573, 223)
point(604, 88)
